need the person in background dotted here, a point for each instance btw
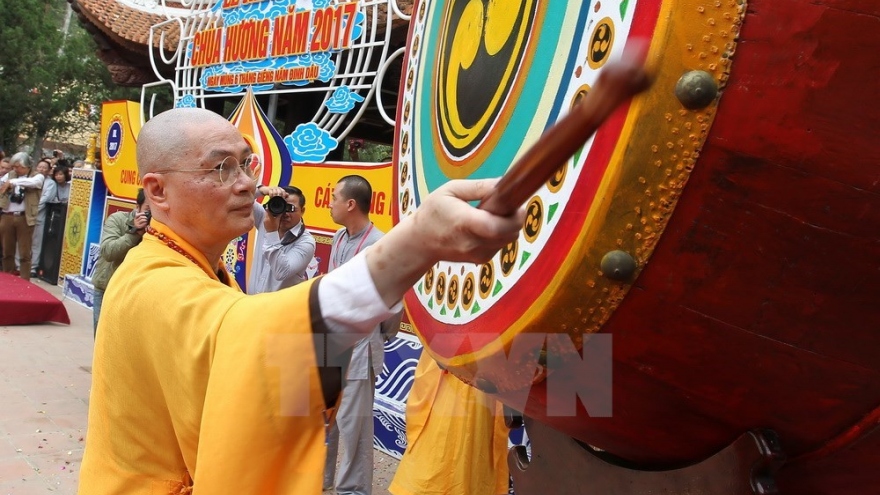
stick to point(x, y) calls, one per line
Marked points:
point(284, 247)
point(45, 167)
point(56, 155)
point(60, 186)
point(56, 190)
point(19, 200)
point(5, 167)
point(122, 231)
point(353, 424)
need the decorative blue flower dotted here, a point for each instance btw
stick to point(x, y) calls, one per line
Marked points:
point(343, 100)
point(310, 143)
point(358, 28)
point(188, 101)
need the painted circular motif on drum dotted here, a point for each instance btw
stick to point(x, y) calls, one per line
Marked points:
point(475, 79)
point(480, 90)
point(534, 219)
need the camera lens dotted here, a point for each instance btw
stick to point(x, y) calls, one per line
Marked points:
point(276, 205)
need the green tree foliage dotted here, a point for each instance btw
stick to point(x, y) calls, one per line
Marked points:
point(361, 150)
point(51, 81)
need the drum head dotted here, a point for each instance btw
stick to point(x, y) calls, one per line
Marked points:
point(482, 81)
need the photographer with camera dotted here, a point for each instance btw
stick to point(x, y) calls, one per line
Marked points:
point(122, 231)
point(284, 248)
point(19, 200)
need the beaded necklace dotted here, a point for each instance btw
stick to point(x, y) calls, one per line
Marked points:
point(170, 243)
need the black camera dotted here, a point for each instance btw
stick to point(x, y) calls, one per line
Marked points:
point(278, 206)
point(134, 230)
point(16, 198)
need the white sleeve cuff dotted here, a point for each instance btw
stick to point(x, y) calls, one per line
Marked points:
point(349, 299)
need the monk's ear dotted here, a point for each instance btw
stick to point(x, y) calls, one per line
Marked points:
point(155, 191)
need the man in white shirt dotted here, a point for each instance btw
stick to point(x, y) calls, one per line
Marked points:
point(284, 248)
point(19, 201)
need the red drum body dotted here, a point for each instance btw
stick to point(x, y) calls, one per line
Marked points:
point(710, 256)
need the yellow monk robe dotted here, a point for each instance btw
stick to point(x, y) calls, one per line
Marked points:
point(196, 383)
point(456, 438)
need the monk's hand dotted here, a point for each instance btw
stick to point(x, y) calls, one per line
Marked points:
point(445, 227)
point(453, 230)
point(461, 232)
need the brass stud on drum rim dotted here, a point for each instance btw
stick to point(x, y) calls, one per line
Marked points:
point(696, 89)
point(618, 265)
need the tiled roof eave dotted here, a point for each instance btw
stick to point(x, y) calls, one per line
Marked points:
point(130, 26)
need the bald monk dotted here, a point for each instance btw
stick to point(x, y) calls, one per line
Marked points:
point(199, 388)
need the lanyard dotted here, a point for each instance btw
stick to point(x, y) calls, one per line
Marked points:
point(287, 240)
point(336, 263)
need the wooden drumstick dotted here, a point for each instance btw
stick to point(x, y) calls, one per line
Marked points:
point(617, 83)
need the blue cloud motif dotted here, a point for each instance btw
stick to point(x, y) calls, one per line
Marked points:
point(275, 9)
point(310, 143)
point(253, 11)
point(232, 16)
point(188, 101)
point(343, 100)
point(320, 4)
point(327, 67)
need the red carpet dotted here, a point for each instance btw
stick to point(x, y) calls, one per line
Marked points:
point(22, 303)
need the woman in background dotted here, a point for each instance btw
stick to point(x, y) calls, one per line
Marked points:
point(55, 191)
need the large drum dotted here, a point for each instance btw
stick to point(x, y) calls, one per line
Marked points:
point(707, 264)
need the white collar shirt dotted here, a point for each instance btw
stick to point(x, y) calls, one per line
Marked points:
point(277, 265)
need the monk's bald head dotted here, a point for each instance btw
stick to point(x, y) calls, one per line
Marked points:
point(173, 135)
